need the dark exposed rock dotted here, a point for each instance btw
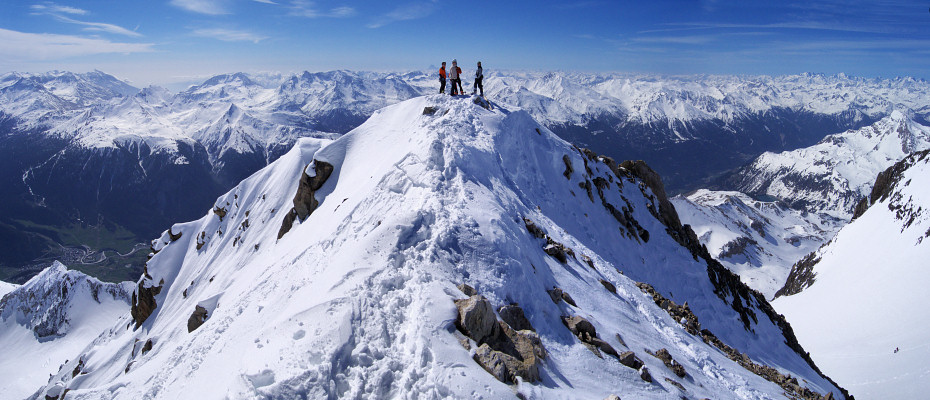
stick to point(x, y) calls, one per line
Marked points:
point(468, 290)
point(557, 294)
point(585, 331)
point(861, 207)
point(143, 303)
point(476, 317)
point(172, 236)
point(220, 212)
point(587, 260)
point(495, 363)
point(287, 223)
point(669, 362)
point(513, 316)
point(504, 352)
point(147, 347)
point(647, 175)
point(197, 318)
point(802, 275)
point(304, 201)
point(534, 229)
point(630, 359)
point(680, 313)
point(79, 368)
point(644, 374)
point(568, 166)
point(558, 250)
point(675, 384)
point(201, 240)
point(609, 286)
point(736, 246)
point(429, 110)
point(580, 327)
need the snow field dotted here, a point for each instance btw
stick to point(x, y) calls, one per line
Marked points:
point(862, 303)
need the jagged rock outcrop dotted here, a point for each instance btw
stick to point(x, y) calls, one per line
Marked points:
point(886, 181)
point(670, 362)
point(802, 275)
point(513, 315)
point(557, 294)
point(476, 317)
point(143, 302)
point(684, 316)
point(197, 318)
point(584, 330)
point(503, 351)
point(305, 201)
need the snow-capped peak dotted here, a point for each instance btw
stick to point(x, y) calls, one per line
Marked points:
point(49, 320)
point(833, 175)
point(344, 283)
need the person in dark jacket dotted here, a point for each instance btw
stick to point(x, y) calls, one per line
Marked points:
point(442, 78)
point(479, 77)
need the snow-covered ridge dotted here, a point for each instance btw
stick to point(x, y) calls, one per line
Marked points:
point(356, 299)
point(833, 175)
point(49, 320)
point(862, 285)
point(757, 240)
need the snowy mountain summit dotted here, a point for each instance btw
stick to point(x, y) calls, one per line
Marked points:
point(445, 248)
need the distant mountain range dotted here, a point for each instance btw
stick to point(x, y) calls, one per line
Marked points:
point(87, 155)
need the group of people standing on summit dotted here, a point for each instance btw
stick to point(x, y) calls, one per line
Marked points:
point(455, 78)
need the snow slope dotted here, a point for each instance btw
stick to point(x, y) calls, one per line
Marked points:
point(833, 175)
point(869, 283)
point(356, 300)
point(757, 240)
point(49, 320)
point(6, 288)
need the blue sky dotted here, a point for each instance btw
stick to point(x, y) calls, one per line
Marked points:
point(173, 41)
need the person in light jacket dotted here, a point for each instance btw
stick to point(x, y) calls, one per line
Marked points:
point(455, 76)
point(479, 77)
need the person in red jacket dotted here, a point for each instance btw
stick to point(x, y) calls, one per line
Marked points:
point(442, 78)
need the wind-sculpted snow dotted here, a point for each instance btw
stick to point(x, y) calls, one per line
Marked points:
point(833, 175)
point(357, 299)
point(49, 320)
point(860, 317)
point(757, 240)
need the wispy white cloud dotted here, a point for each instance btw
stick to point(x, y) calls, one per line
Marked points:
point(308, 9)
point(265, 1)
point(405, 13)
point(208, 7)
point(48, 7)
point(99, 26)
point(58, 12)
point(342, 12)
point(24, 46)
point(686, 39)
point(230, 35)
